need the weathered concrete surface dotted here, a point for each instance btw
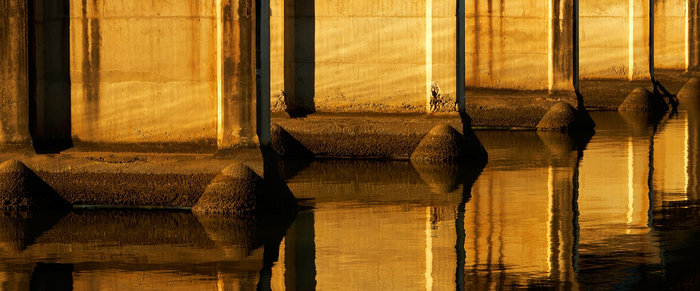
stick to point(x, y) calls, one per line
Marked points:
point(507, 44)
point(144, 71)
point(671, 34)
point(643, 101)
point(511, 109)
point(614, 39)
point(443, 144)
point(131, 179)
point(233, 191)
point(21, 188)
point(609, 94)
point(363, 55)
point(14, 113)
point(236, 61)
point(520, 45)
point(363, 135)
point(563, 117)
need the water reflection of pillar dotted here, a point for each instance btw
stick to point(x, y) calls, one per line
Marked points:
point(638, 171)
point(561, 224)
point(300, 254)
point(693, 157)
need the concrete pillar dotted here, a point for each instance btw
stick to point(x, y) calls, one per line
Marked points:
point(615, 39)
point(461, 62)
point(693, 12)
point(14, 114)
point(562, 45)
point(236, 73)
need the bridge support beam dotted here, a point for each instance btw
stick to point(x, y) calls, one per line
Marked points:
point(562, 69)
point(14, 107)
point(693, 19)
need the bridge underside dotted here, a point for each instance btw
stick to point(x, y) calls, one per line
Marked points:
point(182, 75)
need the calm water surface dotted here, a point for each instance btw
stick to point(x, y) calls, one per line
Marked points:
point(618, 210)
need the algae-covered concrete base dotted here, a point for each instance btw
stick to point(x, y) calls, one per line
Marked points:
point(238, 190)
point(129, 179)
point(563, 117)
point(365, 135)
point(642, 100)
point(234, 191)
point(21, 188)
point(444, 144)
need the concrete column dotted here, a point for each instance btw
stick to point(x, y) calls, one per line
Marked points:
point(693, 12)
point(461, 63)
point(236, 73)
point(563, 45)
point(14, 115)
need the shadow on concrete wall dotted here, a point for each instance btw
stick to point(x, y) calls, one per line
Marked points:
point(49, 75)
point(300, 56)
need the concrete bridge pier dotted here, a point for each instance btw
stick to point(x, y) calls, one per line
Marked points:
point(236, 76)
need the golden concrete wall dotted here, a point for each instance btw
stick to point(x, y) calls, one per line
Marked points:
point(369, 55)
point(143, 71)
point(507, 44)
point(614, 39)
point(671, 34)
point(14, 116)
point(362, 55)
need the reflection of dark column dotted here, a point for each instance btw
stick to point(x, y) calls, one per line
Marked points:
point(694, 151)
point(575, 227)
point(49, 74)
point(650, 179)
point(300, 254)
point(461, 238)
point(468, 174)
point(54, 277)
point(305, 57)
